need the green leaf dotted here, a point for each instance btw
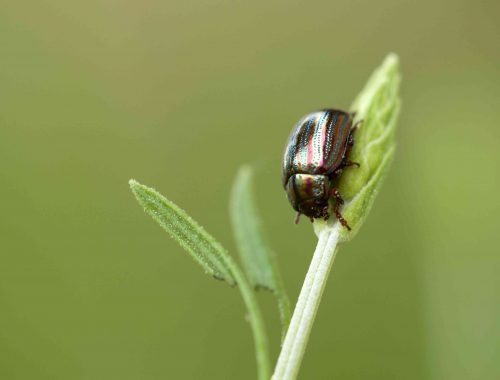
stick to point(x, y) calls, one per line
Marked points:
point(259, 261)
point(190, 235)
point(377, 108)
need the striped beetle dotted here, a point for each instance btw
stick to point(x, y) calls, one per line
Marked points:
point(315, 155)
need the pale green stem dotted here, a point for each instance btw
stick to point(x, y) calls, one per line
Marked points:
point(292, 351)
point(256, 321)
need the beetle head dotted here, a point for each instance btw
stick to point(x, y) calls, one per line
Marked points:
point(308, 194)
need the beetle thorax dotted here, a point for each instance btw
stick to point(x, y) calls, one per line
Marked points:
point(309, 193)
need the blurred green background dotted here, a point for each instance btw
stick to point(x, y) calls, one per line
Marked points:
point(178, 94)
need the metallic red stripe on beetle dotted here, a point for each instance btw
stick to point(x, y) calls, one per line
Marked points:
point(315, 154)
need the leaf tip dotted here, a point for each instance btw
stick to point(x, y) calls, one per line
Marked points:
point(391, 59)
point(138, 189)
point(133, 184)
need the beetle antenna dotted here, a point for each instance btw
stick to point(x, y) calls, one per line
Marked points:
point(297, 218)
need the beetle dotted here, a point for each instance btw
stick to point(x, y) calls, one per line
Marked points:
point(315, 156)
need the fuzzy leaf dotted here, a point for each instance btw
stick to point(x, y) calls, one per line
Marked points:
point(190, 235)
point(256, 256)
point(258, 259)
point(377, 107)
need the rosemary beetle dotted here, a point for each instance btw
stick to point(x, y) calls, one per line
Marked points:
point(315, 156)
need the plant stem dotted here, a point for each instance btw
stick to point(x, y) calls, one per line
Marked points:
point(290, 358)
point(256, 321)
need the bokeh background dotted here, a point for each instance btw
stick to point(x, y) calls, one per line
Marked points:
point(178, 94)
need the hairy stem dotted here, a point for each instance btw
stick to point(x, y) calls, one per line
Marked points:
point(256, 321)
point(290, 358)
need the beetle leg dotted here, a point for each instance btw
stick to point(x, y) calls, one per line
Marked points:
point(350, 143)
point(336, 194)
point(338, 203)
point(357, 124)
point(336, 173)
point(350, 163)
point(327, 215)
point(350, 140)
